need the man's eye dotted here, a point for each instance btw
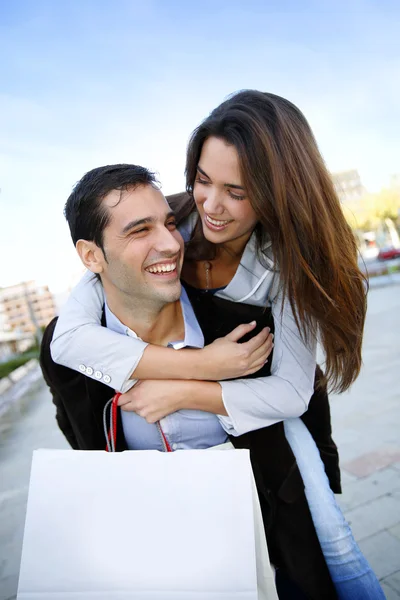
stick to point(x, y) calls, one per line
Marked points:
point(171, 225)
point(143, 230)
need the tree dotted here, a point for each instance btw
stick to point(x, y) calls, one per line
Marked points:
point(373, 209)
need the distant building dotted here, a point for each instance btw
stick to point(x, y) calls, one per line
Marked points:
point(348, 186)
point(25, 306)
point(12, 343)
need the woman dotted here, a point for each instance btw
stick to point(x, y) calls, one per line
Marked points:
point(268, 230)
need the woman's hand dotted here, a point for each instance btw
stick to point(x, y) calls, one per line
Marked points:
point(154, 399)
point(225, 358)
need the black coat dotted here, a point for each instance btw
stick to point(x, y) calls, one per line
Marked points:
point(292, 541)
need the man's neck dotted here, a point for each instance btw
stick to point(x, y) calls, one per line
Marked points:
point(154, 324)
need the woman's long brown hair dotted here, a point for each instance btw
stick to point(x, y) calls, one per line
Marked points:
point(295, 201)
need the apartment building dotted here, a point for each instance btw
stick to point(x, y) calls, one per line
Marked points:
point(26, 306)
point(348, 186)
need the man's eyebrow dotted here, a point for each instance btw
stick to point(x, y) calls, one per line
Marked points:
point(145, 221)
point(133, 224)
point(230, 185)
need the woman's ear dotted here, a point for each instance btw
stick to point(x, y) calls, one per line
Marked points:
point(91, 255)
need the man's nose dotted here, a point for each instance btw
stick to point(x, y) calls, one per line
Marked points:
point(168, 241)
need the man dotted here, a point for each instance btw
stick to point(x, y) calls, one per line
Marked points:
point(125, 234)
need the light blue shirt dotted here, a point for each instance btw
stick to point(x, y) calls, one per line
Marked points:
point(185, 429)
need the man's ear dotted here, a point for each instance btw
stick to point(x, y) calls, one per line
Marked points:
point(91, 255)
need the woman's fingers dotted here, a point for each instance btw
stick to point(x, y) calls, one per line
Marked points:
point(261, 354)
point(257, 341)
point(240, 331)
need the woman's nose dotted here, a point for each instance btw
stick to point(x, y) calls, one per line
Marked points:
point(212, 204)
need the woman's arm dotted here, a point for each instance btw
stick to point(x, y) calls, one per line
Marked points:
point(286, 393)
point(153, 400)
point(244, 404)
point(80, 343)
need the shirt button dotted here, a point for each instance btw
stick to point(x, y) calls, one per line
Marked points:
point(106, 379)
point(89, 371)
point(98, 374)
point(82, 368)
point(174, 446)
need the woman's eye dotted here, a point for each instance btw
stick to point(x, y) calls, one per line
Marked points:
point(171, 225)
point(202, 181)
point(236, 196)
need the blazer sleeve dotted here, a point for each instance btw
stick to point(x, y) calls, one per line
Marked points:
point(82, 344)
point(255, 403)
point(45, 360)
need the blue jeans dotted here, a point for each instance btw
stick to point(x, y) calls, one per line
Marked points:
point(350, 572)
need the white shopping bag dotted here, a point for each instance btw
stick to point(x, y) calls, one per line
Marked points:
point(139, 525)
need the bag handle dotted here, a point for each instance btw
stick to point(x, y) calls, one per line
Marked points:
point(111, 432)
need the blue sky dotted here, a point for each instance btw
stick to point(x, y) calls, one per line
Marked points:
point(88, 82)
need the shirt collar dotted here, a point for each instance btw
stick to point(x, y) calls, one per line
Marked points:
point(193, 335)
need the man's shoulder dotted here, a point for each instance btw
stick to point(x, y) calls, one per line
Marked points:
point(52, 371)
point(45, 354)
point(49, 331)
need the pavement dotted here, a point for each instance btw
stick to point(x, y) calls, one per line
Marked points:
point(366, 425)
point(16, 386)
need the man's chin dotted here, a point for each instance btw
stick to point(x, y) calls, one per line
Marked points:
point(170, 291)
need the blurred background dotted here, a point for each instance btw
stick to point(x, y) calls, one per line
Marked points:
point(91, 82)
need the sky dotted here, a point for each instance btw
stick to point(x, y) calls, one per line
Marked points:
point(89, 82)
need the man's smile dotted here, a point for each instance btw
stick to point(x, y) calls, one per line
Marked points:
point(163, 268)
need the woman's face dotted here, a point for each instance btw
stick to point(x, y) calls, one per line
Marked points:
point(225, 210)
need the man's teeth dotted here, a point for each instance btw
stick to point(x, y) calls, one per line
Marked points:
point(215, 222)
point(162, 268)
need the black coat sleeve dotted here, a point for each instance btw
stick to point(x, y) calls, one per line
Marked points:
point(55, 386)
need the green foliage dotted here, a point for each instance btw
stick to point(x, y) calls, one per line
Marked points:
point(373, 209)
point(31, 352)
point(17, 361)
point(7, 367)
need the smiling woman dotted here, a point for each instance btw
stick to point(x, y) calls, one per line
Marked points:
point(221, 207)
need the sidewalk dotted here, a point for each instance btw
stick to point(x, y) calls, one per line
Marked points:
point(34, 427)
point(366, 426)
point(366, 423)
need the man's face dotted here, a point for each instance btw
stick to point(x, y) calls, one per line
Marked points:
point(143, 249)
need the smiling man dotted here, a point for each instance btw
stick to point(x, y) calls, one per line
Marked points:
point(125, 234)
point(138, 256)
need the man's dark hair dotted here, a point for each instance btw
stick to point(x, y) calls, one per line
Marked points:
point(87, 217)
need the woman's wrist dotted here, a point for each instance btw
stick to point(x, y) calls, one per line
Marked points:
point(158, 362)
point(201, 395)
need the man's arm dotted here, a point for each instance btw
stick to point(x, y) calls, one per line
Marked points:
point(46, 363)
point(63, 421)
